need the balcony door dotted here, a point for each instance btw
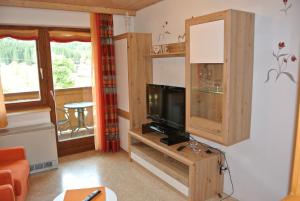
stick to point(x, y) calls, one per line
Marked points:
point(72, 94)
point(51, 67)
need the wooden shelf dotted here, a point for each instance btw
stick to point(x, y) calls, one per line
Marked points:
point(165, 163)
point(165, 55)
point(208, 91)
point(186, 156)
point(172, 50)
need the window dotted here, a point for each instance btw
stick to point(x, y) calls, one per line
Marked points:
point(71, 64)
point(19, 70)
point(26, 65)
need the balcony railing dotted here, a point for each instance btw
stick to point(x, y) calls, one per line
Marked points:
point(62, 97)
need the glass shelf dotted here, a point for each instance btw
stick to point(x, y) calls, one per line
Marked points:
point(207, 91)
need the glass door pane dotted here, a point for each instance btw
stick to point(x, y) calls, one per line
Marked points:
point(72, 78)
point(207, 91)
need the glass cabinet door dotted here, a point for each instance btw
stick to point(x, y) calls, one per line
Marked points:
point(206, 95)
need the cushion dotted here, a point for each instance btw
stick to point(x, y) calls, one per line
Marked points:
point(20, 172)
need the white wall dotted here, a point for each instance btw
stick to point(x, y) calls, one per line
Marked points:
point(260, 166)
point(45, 17)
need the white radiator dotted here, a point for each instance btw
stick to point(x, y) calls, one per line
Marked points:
point(39, 141)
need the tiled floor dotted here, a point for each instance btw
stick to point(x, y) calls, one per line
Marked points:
point(130, 181)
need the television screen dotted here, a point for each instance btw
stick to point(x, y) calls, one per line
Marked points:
point(166, 104)
point(155, 102)
point(174, 112)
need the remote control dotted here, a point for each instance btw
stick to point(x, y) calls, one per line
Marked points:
point(92, 195)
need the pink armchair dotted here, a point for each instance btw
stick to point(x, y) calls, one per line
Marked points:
point(14, 173)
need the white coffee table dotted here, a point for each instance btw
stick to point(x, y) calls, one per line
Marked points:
point(110, 195)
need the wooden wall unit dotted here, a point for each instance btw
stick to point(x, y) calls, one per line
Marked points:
point(134, 71)
point(219, 81)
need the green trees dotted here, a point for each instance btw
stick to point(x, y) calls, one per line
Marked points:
point(19, 55)
point(18, 51)
point(62, 72)
point(65, 56)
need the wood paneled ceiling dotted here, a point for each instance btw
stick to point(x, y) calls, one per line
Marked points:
point(104, 6)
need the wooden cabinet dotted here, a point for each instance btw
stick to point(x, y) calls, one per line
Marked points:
point(133, 72)
point(219, 63)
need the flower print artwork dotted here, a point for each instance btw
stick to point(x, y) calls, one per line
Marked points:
point(283, 60)
point(163, 32)
point(287, 6)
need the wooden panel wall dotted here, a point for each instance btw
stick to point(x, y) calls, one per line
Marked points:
point(120, 7)
point(31, 95)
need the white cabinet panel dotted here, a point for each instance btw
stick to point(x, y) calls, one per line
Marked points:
point(123, 131)
point(207, 42)
point(122, 74)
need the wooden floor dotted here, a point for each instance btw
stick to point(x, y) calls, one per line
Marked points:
point(128, 180)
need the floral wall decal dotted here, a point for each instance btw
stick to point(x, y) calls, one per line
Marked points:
point(181, 38)
point(287, 6)
point(282, 63)
point(163, 32)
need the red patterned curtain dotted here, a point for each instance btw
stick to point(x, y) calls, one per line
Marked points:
point(105, 93)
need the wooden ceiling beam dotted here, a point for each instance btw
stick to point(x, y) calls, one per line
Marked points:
point(66, 7)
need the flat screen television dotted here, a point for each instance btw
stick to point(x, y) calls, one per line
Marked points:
point(166, 105)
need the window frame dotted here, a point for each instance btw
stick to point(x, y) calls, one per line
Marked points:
point(43, 52)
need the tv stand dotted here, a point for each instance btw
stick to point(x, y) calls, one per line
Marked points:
point(195, 175)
